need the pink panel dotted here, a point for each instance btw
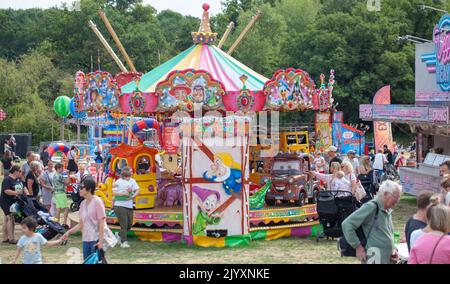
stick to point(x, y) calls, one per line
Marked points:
point(230, 101)
point(124, 102)
point(151, 102)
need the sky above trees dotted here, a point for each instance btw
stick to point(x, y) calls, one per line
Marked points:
point(184, 7)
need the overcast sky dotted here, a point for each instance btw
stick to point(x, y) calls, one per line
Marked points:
point(185, 7)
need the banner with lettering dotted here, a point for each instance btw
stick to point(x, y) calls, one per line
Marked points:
point(323, 131)
point(382, 130)
point(171, 138)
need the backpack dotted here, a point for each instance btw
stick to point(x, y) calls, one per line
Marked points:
point(345, 248)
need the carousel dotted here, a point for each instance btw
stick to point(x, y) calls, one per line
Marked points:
point(199, 191)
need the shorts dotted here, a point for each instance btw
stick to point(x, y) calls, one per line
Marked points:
point(61, 200)
point(5, 207)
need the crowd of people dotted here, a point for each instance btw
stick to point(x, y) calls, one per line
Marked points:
point(345, 173)
point(426, 232)
point(41, 178)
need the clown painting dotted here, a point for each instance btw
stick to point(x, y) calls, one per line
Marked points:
point(225, 170)
point(207, 201)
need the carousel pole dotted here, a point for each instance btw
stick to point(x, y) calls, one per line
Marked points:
point(116, 39)
point(225, 35)
point(129, 129)
point(244, 32)
point(78, 131)
point(107, 46)
point(62, 128)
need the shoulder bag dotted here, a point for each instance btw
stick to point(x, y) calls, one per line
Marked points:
point(435, 247)
point(345, 248)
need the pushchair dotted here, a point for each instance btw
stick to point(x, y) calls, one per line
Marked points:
point(27, 206)
point(76, 198)
point(333, 207)
point(367, 182)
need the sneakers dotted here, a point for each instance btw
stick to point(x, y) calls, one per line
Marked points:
point(125, 245)
point(116, 234)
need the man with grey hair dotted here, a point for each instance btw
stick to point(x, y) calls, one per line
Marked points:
point(376, 221)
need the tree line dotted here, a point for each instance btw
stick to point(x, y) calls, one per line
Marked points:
point(41, 49)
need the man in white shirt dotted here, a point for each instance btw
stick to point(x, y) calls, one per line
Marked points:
point(378, 166)
point(446, 189)
point(379, 161)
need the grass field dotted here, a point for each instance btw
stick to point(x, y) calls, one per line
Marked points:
point(289, 250)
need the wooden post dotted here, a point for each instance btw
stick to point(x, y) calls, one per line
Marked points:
point(116, 39)
point(107, 46)
point(244, 33)
point(225, 35)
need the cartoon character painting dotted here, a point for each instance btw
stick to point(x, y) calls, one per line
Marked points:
point(180, 90)
point(198, 94)
point(92, 92)
point(79, 88)
point(225, 170)
point(207, 201)
point(167, 100)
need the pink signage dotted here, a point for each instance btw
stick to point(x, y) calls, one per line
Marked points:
point(365, 112)
point(400, 112)
point(438, 115)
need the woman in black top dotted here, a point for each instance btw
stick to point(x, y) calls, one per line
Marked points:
point(11, 187)
point(7, 162)
point(72, 156)
point(32, 181)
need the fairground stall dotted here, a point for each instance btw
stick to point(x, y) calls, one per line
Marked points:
point(428, 118)
point(202, 106)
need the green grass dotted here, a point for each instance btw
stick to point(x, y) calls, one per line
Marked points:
point(288, 250)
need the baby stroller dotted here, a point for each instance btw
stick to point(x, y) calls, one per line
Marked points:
point(367, 182)
point(27, 206)
point(76, 198)
point(333, 207)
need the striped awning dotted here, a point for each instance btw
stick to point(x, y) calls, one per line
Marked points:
point(219, 64)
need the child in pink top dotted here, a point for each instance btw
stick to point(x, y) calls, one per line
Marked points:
point(422, 250)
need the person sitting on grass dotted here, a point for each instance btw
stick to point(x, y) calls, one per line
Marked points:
point(59, 185)
point(30, 243)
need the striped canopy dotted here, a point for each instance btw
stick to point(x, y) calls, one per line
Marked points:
point(219, 64)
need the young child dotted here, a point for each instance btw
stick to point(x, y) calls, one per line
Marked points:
point(341, 183)
point(30, 243)
point(60, 184)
